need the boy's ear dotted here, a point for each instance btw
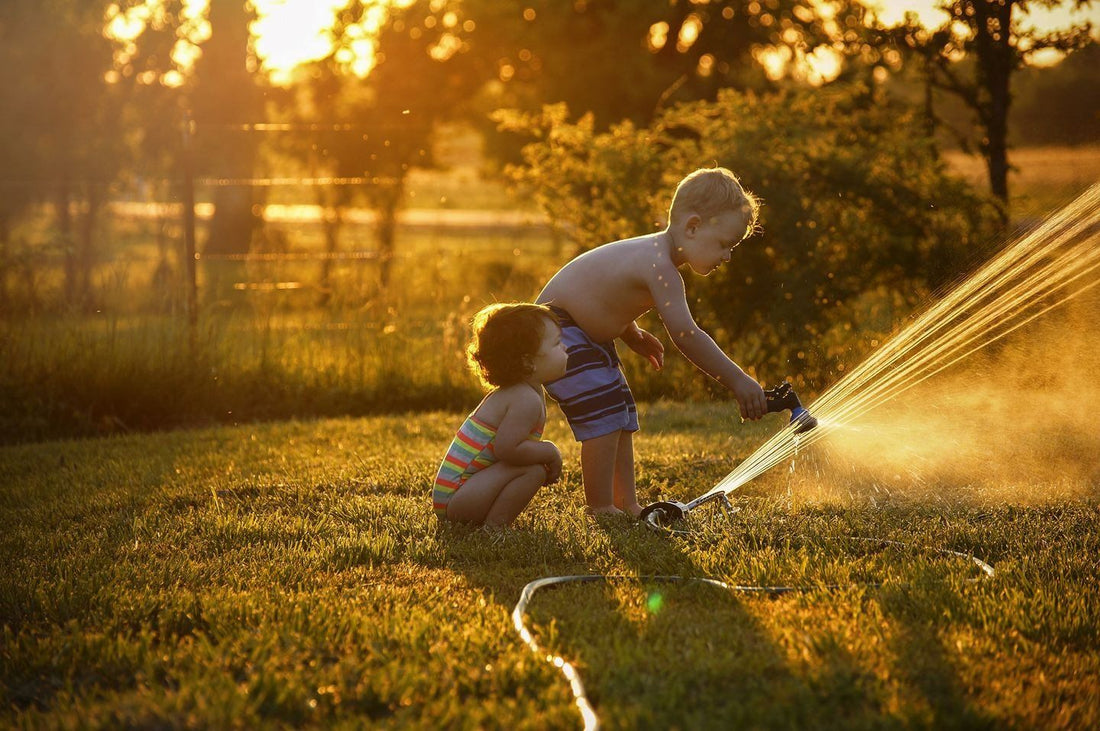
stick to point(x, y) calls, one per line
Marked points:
point(692, 223)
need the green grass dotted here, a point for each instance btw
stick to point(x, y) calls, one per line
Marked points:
point(292, 575)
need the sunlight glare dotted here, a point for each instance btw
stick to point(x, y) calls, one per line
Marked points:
point(124, 26)
point(1038, 18)
point(290, 32)
point(823, 65)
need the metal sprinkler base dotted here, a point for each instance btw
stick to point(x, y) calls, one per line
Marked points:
point(661, 515)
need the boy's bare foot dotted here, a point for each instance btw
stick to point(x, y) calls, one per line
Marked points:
point(602, 510)
point(633, 509)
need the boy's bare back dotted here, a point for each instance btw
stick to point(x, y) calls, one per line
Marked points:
point(609, 287)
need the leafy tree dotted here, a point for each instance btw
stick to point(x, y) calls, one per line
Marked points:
point(628, 59)
point(992, 33)
point(861, 220)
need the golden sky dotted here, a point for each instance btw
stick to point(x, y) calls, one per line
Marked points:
point(1060, 17)
point(289, 32)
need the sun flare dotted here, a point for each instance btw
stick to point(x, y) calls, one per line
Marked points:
point(291, 32)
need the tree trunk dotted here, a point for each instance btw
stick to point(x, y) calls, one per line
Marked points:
point(332, 220)
point(5, 260)
point(389, 199)
point(226, 97)
point(86, 244)
point(63, 211)
point(929, 100)
point(995, 66)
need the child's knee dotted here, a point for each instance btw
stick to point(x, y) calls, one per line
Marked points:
point(535, 472)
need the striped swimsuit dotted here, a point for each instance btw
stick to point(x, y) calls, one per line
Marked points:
point(470, 452)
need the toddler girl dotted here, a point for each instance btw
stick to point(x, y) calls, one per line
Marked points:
point(497, 461)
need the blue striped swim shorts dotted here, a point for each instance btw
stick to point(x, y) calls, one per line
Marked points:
point(593, 393)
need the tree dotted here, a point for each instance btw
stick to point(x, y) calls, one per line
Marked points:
point(68, 121)
point(992, 34)
point(17, 190)
point(629, 59)
point(861, 220)
point(225, 97)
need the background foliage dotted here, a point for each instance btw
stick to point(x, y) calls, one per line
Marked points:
point(861, 222)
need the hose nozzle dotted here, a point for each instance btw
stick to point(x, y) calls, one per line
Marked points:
point(783, 397)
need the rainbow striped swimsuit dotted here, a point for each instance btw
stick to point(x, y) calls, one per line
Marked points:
point(470, 452)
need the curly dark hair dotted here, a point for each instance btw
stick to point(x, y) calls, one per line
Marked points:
point(506, 336)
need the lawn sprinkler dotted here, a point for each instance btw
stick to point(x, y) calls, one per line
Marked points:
point(783, 397)
point(664, 513)
point(661, 514)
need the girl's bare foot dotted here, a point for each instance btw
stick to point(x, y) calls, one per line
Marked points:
point(634, 509)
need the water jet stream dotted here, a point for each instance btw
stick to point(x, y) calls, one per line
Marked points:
point(1040, 271)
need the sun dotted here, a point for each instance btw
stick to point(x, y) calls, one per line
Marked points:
point(287, 33)
point(291, 32)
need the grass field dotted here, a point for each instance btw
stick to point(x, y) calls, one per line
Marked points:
point(291, 575)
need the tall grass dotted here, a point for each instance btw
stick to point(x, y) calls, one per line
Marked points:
point(264, 352)
point(74, 377)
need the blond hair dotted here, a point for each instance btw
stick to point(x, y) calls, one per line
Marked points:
point(709, 192)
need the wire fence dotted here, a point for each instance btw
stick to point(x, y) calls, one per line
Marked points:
point(145, 254)
point(143, 269)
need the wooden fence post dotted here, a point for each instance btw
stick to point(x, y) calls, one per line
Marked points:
point(191, 283)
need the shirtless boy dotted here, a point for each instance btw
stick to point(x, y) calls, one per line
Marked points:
point(598, 296)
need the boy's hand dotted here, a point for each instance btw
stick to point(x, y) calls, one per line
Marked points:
point(646, 345)
point(750, 397)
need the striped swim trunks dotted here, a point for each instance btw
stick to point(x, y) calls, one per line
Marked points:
point(593, 393)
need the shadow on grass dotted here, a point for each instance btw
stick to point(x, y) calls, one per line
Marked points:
point(659, 654)
point(921, 658)
point(651, 653)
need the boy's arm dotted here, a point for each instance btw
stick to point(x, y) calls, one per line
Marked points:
point(670, 299)
point(512, 444)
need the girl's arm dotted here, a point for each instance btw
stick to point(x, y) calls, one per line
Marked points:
point(523, 412)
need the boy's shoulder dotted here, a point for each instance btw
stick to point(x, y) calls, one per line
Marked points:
point(643, 252)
